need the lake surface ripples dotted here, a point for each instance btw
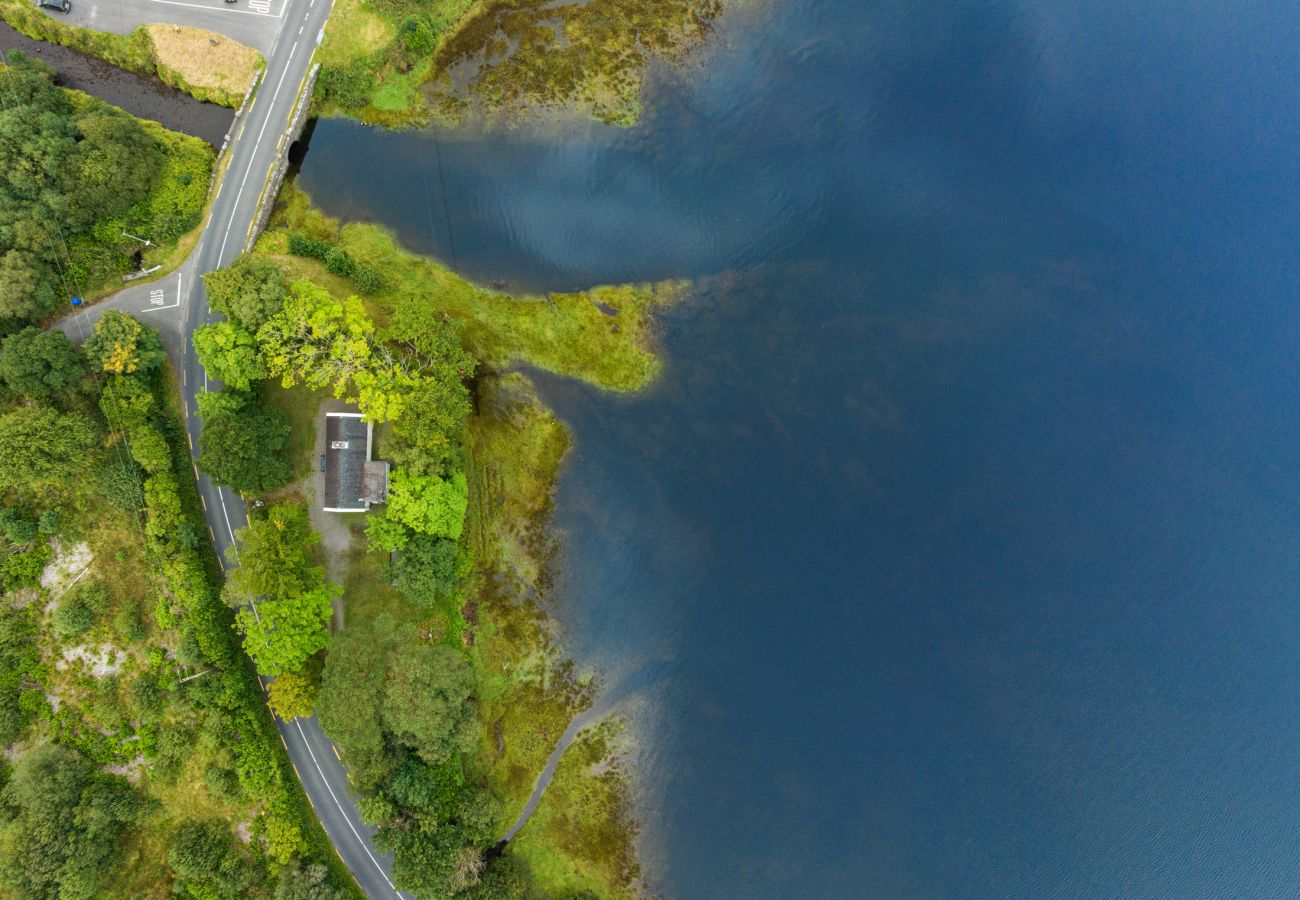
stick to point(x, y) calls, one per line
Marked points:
point(956, 552)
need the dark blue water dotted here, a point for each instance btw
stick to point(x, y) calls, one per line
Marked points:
point(956, 553)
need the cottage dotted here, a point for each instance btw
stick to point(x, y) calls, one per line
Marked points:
point(352, 480)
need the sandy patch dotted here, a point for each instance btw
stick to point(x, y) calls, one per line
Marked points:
point(103, 662)
point(67, 567)
point(132, 770)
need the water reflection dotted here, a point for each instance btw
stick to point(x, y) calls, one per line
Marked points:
point(960, 529)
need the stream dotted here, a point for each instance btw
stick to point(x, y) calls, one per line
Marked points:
point(144, 97)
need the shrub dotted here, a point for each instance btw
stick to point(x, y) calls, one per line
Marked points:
point(302, 245)
point(49, 522)
point(19, 528)
point(338, 262)
point(72, 616)
point(24, 569)
point(348, 86)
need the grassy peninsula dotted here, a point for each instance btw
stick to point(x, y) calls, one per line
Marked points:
point(400, 62)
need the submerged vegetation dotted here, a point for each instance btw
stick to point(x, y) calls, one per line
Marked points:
point(395, 62)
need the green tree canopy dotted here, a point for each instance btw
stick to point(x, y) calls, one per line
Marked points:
point(61, 823)
point(245, 449)
point(293, 601)
point(208, 861)
point(61, 171)
point(249, 291)
point(40, 447)
point(429, 504)
point(121, 345)
point(230, 354)
point(380, 679)
point(39, 364)
point(428, 569)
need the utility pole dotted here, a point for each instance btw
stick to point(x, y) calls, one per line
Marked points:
point(147, 243)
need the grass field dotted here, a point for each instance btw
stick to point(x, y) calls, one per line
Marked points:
point(187, 56)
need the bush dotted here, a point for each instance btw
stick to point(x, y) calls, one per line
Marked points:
point(72, 616)
point(49, 522)
point(302, 245)
point(338, 262)
point(24, 569)
point(19, 528)
point(348, 86)
point(367, 278)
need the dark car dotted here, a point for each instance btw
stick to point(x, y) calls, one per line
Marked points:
point(57, 5)
point(322, 462)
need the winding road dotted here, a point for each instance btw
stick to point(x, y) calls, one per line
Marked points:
point(177, 305)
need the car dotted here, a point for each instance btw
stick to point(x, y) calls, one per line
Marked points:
point(62, 6)
point(322, 462)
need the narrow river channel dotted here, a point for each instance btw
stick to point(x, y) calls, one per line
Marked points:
point(147, 98)
point(962, 524)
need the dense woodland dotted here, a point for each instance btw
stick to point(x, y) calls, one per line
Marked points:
point(75, 173)
point(141, 759)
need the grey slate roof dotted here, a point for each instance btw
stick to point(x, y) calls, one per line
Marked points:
point(347, 449)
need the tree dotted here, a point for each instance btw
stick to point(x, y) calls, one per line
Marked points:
point(249, 291)
point(39, 364)
point(206, 858)
point(290, 602)
point(123, 346)
point(311, 883)
point(40, 447)
point(245, 449)
point(149, 449)
point(292, 695)
point(63, 818)
point(428, 569)
point(229, 353)
point(385, 533)
point(380, 679)
point(429, 504)
point(427, 701)
point(434, 413)
point(127, 402)
point(274, 555)
point(281, 635)
point(317, 340)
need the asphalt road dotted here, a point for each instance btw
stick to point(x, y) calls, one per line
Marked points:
point(256, 23)
point(177, 305)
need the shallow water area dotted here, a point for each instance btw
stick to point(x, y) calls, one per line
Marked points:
point(954, 553)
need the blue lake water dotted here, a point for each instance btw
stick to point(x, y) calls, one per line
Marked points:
point(956, 553)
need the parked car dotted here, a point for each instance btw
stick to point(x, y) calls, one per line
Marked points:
point(62, 6)
point(322, 462)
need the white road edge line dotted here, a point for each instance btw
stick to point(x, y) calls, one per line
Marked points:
point(267, 121)
point(334, 797)
point(245, 12)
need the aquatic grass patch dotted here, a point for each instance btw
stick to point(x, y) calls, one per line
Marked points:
point(516, 54)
